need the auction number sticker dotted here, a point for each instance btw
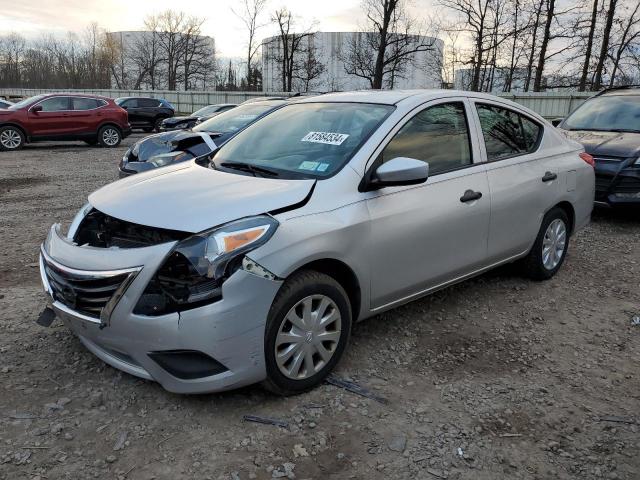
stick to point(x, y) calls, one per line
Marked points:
point(325, 137)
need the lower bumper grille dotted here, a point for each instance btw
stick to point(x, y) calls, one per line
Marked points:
point(89, 293)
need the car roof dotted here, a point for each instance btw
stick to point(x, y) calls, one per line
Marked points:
point(391, 97)
point(146, 98)
point(69, 94)
point(619, 92)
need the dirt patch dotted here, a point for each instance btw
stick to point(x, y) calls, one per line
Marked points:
point(495, 378)
point(9, 184)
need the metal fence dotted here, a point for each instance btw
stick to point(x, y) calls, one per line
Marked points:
point(548, 104)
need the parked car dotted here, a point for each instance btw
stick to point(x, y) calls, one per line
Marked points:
point(327, 211)
point(5, 103)
point(199, 116)
point(176, 146)
point(146, 114)
point(96, 120)
point(608, 125)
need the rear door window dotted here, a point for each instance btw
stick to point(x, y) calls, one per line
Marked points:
point(86, 103)
point(55, 104)
point(148, 103)
point(507, 133)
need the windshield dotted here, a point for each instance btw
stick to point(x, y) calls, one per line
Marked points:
point(234, 119)
point(205, 111)
point(25, 102)
point(607, 113)
point(310, 140)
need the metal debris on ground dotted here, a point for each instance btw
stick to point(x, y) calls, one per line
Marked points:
point(635, 320)
point(266, 421)
point(355, 388)
point(616, 419)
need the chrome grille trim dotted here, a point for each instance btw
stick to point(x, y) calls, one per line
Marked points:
point(128, 274)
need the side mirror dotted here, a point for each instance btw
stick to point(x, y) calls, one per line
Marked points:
point(556, 121)
point(36, 109)
point(397, 172)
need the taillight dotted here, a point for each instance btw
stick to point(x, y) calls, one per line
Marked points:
point(587, 158)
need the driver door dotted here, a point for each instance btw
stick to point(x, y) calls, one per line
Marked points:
point(423, 236)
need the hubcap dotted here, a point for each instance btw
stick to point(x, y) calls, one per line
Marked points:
point(10, 139)
point(110, 137)
point(553, 244)
point(308, 337)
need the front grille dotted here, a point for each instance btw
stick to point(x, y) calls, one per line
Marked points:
point(627, 185)
point(603, 183)
point(84, 294)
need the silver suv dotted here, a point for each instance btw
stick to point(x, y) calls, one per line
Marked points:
point(327, 211)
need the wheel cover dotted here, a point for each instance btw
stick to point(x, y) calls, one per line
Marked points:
point(10, 139)
point(553, 244)
point(110, 137)
point(308, 337)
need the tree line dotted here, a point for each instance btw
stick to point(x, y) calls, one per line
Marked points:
point(489, 45)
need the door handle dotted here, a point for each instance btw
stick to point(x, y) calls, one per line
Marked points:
point(548, 177)
point(470, 196)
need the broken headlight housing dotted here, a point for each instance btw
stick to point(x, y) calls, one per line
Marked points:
point(193, 273)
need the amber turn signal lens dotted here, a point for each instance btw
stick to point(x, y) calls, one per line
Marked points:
point(237, 240)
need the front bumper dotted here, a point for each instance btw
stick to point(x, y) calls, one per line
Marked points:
point(617, 184)
point(231, 330)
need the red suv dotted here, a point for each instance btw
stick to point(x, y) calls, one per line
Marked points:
point(96, 120)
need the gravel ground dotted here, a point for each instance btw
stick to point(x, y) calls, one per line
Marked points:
point(495, 378)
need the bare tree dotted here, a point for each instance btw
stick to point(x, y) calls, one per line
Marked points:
point(310, 68)
point(249, 14)
point(629, 35)
point(604, 47)
point(290, 46)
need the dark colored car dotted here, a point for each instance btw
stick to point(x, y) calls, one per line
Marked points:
point(96, 120)
point(5, 104)
point(180, 145)
point(146, 114)
point(608, 125)
point(199, 116)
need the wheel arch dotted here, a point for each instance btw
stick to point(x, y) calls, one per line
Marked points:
point(18, 126)
point(109, 123)
point(341, 273)
point(567, 207)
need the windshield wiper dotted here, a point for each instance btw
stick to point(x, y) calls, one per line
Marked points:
point(248, 167)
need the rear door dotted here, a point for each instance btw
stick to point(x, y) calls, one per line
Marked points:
point(54, 119)
point(148, 110)
point(524, 184)
point(86, 114)
point(426, 235)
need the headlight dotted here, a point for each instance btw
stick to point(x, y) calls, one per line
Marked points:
point(193, 273)
point(168, 158)
point(637, 162)
point(73, 228)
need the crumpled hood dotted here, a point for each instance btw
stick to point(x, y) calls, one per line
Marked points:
point(162, 143)
point(191, 198)
point(607, 144)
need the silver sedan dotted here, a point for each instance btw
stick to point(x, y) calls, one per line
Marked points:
point(254, 265)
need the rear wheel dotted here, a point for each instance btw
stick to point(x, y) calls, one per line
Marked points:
point(157, 124)
point(307, 332)
point(11, 138)
point(109, 136)
point(550, 248)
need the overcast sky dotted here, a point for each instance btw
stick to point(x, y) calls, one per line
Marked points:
point(31, 17)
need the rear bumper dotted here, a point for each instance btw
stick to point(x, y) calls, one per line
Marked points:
point(229, 331)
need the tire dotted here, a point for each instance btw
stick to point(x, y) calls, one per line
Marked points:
point(11, 138)
point(109, 136)
point(542, 263)
point(157, 124)
point(147, 129)
point(315, 290)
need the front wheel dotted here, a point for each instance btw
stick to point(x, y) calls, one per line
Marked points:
point(109, 136)
point(550, 248)
point(11, 138)
point(307, 331)
point(157, 124)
